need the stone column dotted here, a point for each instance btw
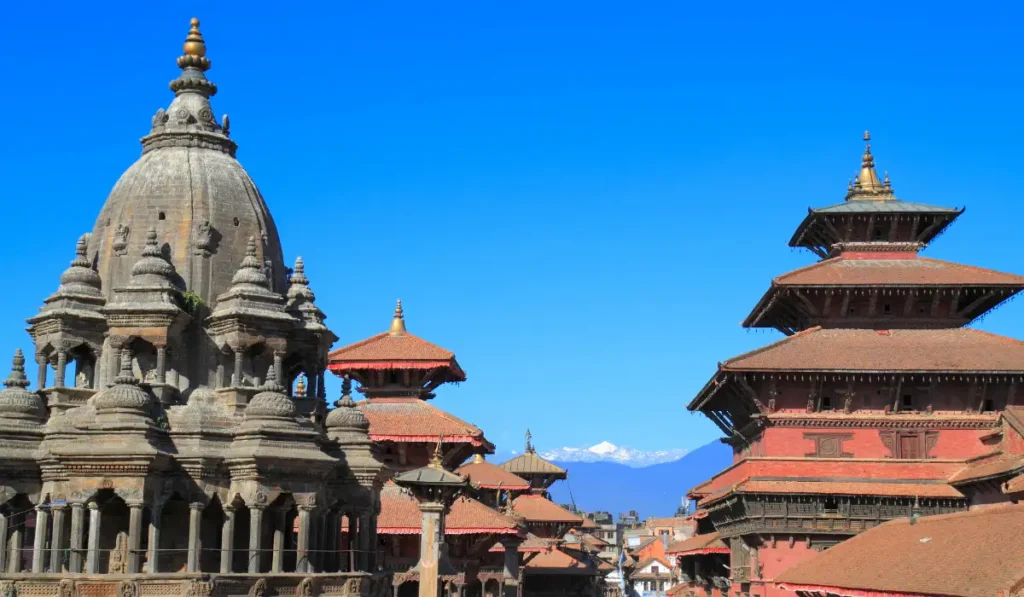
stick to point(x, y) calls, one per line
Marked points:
point(134, 536)
point(368, 540)
point(315, 522)
point(352, 530)
point(277, 557)
point(227, 539)
point(57, 539)
point(279, 367)
point(97, 373)
point(236, 376)
point(39, 545)
point(320, 386)
point(255, 528)
point(429, 547)
point(92, 558)
point(17, 538)
point(62, 365)
point(195, 518)
point(153, 547)
point(302, 547)
point(77, 538)
point(161, 364)
point(511, 584)
point(3, 542)
point(330, 541)
point(43, 362)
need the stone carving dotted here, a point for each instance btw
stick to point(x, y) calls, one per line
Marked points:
point(7, 589)
point(810, 405)
point(197, 588)
point(261, 498)
point(67, 588)
point(305, 588)
point(203, 243)
point(226, 125)
point(81, 380)
point(121, 239)
point(259, 588)
point(127, 588)
point(159, 120)
point(106, 484)
point(354, 586)
point(119, 559)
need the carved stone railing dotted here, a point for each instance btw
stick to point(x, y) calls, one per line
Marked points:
point(355, 584)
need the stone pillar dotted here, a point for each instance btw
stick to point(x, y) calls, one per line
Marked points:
point(320, 385)
point(302, 547)
point(368, 539)
point(279, 367)
point(16, 541)
point(3, 542)
point(97, 374)
point(352, 529)
point(227, 539)
point(430, 547)
point(195, 518)
point(92, 558)
point(57, 539)
point(161, 364)
point(315, 522)
point(330, 541)
point(43, 362)
point(39, 546)
point(511, 584)
point(236, 376)
point(153, 547)
point(77, 538)
point(62, 365)
point(255, 532)
point(134, 536)
point(277, 557)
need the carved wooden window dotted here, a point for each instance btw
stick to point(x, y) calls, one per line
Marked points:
point(909, 444)
point(828, 445)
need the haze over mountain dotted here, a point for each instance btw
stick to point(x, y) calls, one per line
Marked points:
point(655, 490)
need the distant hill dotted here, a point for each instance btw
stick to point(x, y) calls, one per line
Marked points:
point(655, 490)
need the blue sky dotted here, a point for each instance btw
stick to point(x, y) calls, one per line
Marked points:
point(581, 199)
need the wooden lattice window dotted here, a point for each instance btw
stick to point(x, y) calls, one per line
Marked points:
point(907, 445)
point(828, 445)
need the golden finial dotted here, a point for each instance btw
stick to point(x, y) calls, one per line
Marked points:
point(435, 460)
point(529, 443)
point(478, 458)
point(867, 136)
point(885, 182)
point(194, 44)
point(398, 321)
point(866, 184)
point(300, 387)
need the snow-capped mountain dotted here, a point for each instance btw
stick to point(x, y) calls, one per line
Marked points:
point(609, 452)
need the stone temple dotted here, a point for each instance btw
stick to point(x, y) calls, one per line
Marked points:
point(172, 432)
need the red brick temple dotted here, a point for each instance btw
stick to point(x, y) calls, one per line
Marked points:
point(877, 405)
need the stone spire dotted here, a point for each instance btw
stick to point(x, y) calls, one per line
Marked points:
point(398, 321)
point(152, 269)
point(16, 402)
point(250, 273)
point(867, 185)
point(301, 302)
point(190, 112)
point(271, 402)
point(125, 394)
point(346, 416)
point(80, 278)
point(249, 298)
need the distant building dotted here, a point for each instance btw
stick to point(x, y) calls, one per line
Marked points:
point(652, 577)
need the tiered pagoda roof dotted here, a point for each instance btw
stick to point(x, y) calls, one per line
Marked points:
point(707, 543)
point(536, 508)
point(964, 554)
point(416, 421)
point(396, 363)
point(486, 475)
point(400, 515)
point(528, 465)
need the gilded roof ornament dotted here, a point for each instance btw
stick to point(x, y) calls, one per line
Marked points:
point(867, 186)
point(435, 459)
point(529, 442)
point(398, 321)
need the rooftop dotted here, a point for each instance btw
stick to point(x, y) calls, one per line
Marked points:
point(400, 515)
point(536, 508)
point(966, 554)
point(413, 420)
point(707, 543)
point(486, 475)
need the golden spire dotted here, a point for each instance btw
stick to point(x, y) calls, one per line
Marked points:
point(435, 460)
point(398, 321)
point(478, 458)
point(300, 387)
point(867, 185)
point(194, 44)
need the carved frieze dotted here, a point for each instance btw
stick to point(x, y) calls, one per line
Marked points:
point(828, 445)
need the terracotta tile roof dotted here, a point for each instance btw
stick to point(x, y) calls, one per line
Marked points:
point(400, 515)
point(588, 523)
point(486, 475)
point(911, 271)
point(865, 487)
point(967, 554)
point(988, 467)
point(385, 351)
point(536, 508)
point(531, 544)
point(556, 561)
point(593, 541)
point(818, 349)
point(697, 545)
point(530, 463)
point(674, 521)
point(414, 420)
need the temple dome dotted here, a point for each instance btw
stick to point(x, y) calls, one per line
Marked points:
point(191, 189)
point(16, 402)
point(271, 402)
point(345, 415)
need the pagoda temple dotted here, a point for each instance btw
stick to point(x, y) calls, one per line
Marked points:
point(879, 404)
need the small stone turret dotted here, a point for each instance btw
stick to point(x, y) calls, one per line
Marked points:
point(125, 395)
point(271, 403)
point(18, 405)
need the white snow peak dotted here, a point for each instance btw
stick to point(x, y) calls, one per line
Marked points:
point(609, 452)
